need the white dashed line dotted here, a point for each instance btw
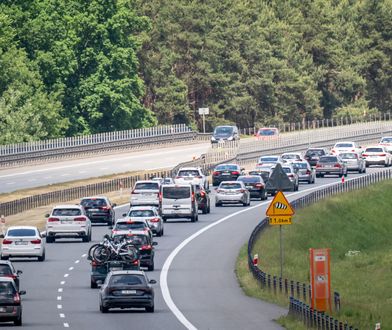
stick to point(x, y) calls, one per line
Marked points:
point(66, 275)
point(70, 268)
point(60, 290)
point(84, 255)
point(66, 325)
point(10, 183)
point(62, 315)
point(77, 261)
point(59, 306)
point(59, 297)
point(62, 282)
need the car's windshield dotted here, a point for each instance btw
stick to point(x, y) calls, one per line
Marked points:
point(141, 213)
point(93, 202)
point(348, 155)
point(188, 173)
point(344, 145)
point(127, 279)
point(21, 232)
point(147, 186)
point(130, 226)
point(176, 192)
point(374, 150)
point(300, 165)
point(249, 179)
point(226, 168)
point(7, 290)
point(268, 159)
point(223, 130)
point(328, 160)
point(386, 140)
point(66, 212)
point(228, 185)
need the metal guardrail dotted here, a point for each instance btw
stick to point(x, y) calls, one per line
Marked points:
point(300, 290)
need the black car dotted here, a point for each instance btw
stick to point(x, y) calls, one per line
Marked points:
point(127, 289)
point(203, 199)
point(145, 245)
point(265, 174)
point(255, 185)
point(7, 270)
point(99, 209)
point(10, 301)
point(225, 133)
point(226, 172)
point(312, 155)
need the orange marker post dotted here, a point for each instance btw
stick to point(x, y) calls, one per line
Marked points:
point(320, 276)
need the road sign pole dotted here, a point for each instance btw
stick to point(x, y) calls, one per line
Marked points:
point(204, 123)
point(281, 252)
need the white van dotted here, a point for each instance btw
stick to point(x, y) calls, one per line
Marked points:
point(178, 201)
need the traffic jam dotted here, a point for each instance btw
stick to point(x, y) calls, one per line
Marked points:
point(121, 261)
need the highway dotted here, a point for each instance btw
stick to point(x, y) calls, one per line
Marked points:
point(31, 176)
point(201, 293)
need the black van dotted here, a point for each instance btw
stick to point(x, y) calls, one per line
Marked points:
point(225, 133)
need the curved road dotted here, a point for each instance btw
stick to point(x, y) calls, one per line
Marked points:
point(201, 278)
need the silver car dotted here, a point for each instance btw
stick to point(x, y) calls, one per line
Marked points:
point(149, 214)
point(305, 171)
point(230, 192)
point(354, 161)
point(292, 175)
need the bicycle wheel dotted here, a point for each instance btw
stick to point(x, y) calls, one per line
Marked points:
point(91, 250)
point(101, 254)
point(129, 253)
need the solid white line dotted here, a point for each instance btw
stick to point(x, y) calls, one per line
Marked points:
point(62, 282)
point(70, 268)
point(77, 261)
point(59, 306)
point(60, 290)
point(66, 325)
point(10, 183)
point(62, 315)
point(59, 297)
point(66, 275)
point(166, 266)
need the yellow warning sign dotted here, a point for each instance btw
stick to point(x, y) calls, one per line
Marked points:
point(280, 220)
point(279, 206)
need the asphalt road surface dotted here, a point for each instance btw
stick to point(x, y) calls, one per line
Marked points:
point(200, 279)
point(13, 179)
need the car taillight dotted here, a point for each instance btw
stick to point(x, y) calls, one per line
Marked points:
point(202, 193)
point(318, 165)
point(53, 219)
point(235, 173)
point(193, 197)
point(36, 241)
point(382, 155)
point(14, 277)
point(134, 192)
point(333, 151)
point(7, 241)
point(94, 263)
point(146, 247)
point(215, 173)
point(242, 190)
point(364, 155)
point(259, 185)
point(105, 208)
point(178, 177)
point(80, 219)
point(291, 175)
point(154, 220)
point(219, 190)
point(135, 262)
point(337, 165)
point(308, 172)
point(114, 231)
point(160, 197)
point(17, 298)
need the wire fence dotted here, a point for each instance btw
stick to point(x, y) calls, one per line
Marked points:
point(302, 291)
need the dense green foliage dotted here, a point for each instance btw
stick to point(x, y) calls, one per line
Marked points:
point(85, 66)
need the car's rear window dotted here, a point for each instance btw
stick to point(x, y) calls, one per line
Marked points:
point(147, 186)
point(21, 232)
point(386, 140)
point(7, 290)
point(188, 173)
point(348, 156)
point(227, 185)
point(315, 152)
point(249, 179)
point(176, 192)
point(287, 169)
point(300, 165)
point(344, 145)
point(328, 160)
point(290, 156)
point(93, 202)
point(5, 270)
point(130, 226)
point(137, 239)
point(127, 279)
point(268, 159)
point(374, 150)
point(227, 168)
point(141, 213)
point(66, 212)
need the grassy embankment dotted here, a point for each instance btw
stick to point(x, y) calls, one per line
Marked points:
point(356, 221)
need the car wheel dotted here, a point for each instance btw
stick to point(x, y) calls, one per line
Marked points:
point(217, 204)
point(162, 232)
point(209, 208)
point(159, 233)
point(164, 219)
point(150, 309)
point(18, 321)
point(85, 238)
point(367, 165)
point(93, 285)
point(151, 267)
point(318, 175)
point(103, 309)
point(364, 170)
point(42, 258)
point(205, 209)
point(386, 164)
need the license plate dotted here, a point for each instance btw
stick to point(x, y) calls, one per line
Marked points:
point(94, 210)
point(249, 187)
point(66, 221)
point(115, 268)
point(21, 243)
point(226, 173)
point(128, 291)
point(188, 179)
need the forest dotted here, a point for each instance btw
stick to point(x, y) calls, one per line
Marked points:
point(73, 67)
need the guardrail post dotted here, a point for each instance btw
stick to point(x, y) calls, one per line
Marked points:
point(274, 283)
point(286, 286)
point(292, 288)
point(298, 290)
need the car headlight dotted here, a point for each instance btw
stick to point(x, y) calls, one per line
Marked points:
point(212, 138)
point(229, 138)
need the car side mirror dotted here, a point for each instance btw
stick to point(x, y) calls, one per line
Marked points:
point(154, 243)
point(152, 282)
point(124, 214)
point(243, 169)
point(43, 234)
point(47, 215)
point(22, 292)
point(114, 205)
point(110, 227)
point(1, 235)
point(19, 272)
point(99, 283)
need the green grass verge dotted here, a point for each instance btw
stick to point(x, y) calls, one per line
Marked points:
point(356, 221)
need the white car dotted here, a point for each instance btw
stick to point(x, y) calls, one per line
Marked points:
point(145, 192)
point(290, 157)
point(386, 142)
point(269, 160)
point(23, 241)
point(377, 155)
point(192, 175)
point(149, 214)
point(128, 226)
point(345, 146)
point(68, 221)
point(230, 192)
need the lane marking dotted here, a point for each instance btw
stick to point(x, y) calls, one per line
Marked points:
point(60, 290)
point(62, 282)
point(10, 183)
point(70, 268)
point(66, 325)
point(66, 275)
point(84, 255)
point(59, 306)
point(59, 298)
point(62, 315)
point(77, 261)
point(166, 266)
